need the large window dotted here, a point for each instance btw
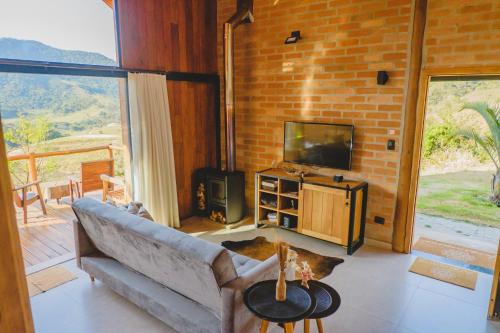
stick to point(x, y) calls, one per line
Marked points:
point(58, 114)
point(69, 31)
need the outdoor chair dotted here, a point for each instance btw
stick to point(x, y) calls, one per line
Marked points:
point(27, 198)
point(113, 188)
point(90, 177)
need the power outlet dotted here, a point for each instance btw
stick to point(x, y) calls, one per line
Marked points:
point(379, 220)
point(391, 145)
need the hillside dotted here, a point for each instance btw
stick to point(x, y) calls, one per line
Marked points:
point(11, 48)
point(53, 95)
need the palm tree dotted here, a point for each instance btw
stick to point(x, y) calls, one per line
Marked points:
point(490, 142)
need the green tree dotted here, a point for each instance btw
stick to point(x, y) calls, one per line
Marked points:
point(27, 135)
point(489, 142)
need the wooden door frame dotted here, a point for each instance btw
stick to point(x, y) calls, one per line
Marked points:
point(15, 310)
point(415, 154)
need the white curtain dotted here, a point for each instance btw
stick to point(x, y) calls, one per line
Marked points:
point(152, 147)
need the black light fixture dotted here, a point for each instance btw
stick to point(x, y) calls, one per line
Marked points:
point(382, 77)
point(293, 38)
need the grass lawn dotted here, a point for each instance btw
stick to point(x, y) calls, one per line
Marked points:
point(460, 196)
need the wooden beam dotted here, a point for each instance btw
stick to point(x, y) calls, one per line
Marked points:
point(15, 312)
point(58, 153)
point(492, 311)
point(401, 240)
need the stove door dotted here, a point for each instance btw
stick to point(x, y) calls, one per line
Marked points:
point(217, 191)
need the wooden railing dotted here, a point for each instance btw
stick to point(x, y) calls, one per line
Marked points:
point(32, 157)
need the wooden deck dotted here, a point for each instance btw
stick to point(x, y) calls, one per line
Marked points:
point(46, 240)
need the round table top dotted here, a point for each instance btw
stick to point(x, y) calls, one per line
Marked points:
point(327, 299)
point(260, 299)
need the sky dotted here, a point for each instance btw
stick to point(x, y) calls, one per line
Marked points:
point(85, 25)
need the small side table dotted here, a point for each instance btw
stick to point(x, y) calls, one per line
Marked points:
point(261, 300)
point(327, 302)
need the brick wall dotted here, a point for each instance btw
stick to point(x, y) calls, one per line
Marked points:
point(328, 76)
point(462, 33)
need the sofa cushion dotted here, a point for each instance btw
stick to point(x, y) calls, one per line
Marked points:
point(191, 266)
point(241, 263)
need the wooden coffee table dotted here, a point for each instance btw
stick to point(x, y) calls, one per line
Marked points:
point(260, 300)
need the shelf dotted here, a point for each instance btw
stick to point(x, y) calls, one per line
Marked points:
point(289, 195)
point(290, 211)
point(270, 192)
point(267, 222)
point(290, 229)
point(268, 207)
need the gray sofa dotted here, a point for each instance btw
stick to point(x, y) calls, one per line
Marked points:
point(190, 284)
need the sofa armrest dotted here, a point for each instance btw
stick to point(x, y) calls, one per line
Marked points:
point(235, 315)
point(83, 243)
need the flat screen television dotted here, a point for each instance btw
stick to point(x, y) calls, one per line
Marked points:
point(318, 144)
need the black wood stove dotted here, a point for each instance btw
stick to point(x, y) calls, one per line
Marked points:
point(220, 195)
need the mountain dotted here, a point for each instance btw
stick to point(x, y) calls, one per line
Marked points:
point(53, 95)
point(11, 48)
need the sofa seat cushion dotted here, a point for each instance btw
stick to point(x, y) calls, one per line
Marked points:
point(242, 263)
point(158, 300)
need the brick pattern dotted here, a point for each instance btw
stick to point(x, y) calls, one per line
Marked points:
point(462, 33)
point(328, 76)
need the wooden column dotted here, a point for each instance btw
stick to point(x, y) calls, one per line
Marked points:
point(402, 234)
point(127, 145)
point(493, 307)
point(15, 312)
point(33, 174)
point(110, 152)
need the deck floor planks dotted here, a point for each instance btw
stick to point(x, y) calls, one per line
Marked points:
point(46, 237)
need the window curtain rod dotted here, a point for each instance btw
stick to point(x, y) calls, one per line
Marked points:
point(57, 68)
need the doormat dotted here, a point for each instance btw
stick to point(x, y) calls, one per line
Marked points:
point(456, 252)
point(47, 279)
point(260, 248)
point(446, 273)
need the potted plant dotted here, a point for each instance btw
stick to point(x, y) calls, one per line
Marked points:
point(490, 142)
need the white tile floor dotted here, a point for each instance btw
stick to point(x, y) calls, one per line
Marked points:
point(378, 295)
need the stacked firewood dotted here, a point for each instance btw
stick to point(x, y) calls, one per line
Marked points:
point(217, 217)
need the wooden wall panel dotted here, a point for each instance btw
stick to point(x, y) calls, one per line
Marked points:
point(177, 35)
point(193, 120)
point(168, 35)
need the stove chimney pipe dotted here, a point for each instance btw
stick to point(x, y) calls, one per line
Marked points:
point(243, 15)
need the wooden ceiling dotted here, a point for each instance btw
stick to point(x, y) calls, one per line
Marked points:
point(109, 3)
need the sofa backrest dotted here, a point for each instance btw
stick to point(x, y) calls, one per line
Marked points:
point(190, 266)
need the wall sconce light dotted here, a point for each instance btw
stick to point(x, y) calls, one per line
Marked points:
point(382, 77)
point(293, 38)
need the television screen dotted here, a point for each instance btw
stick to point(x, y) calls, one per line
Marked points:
point(326, 145)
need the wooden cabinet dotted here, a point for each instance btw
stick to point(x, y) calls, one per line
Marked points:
point(334, 212)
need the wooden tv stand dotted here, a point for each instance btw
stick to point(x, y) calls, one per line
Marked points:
point(316, 206)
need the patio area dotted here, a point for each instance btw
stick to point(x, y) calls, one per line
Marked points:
point(47, 240)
